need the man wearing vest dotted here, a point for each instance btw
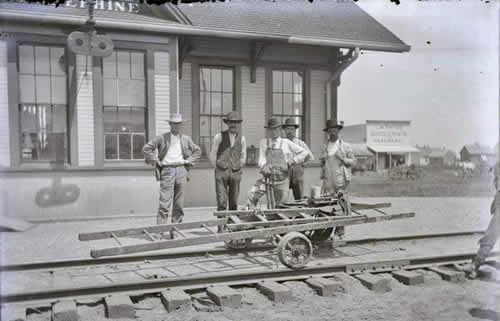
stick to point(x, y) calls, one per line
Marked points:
point(228, 155)
point(276, 156)
point(336, 159)
point(296, 174)
point(176, 154)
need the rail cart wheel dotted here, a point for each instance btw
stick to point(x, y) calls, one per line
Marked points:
point(295, 250)
point(317, 236)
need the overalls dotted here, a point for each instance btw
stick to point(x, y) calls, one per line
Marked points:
point(279, 177)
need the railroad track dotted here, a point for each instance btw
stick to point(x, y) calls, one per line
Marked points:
point(266, 277)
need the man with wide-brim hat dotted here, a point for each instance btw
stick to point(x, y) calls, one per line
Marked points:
point(172, 154)
point(276, 156)
point(336, 158)
point(228, 156)
point(296, 172)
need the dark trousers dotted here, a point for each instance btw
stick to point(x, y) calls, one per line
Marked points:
point(227, 188)
point(296, 177)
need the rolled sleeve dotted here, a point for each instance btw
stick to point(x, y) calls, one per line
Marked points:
point(299, 154)
point(243, 159)
point(262, 153)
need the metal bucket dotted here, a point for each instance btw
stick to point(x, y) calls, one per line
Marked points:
point(315, 192)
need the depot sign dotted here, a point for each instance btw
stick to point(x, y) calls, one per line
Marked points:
point(106, 5)
point(387, 132)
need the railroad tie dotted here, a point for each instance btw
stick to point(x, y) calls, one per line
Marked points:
point(325, 287)
point(119, 307)
point(375, 283)
point(224, 296)
point(449, 274)
point(275, 291)
point(408, 277)
point(174, 299)
point(65, 310)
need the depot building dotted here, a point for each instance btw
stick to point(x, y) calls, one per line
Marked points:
point(72, 126)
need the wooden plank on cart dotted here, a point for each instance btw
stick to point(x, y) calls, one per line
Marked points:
point(243, 213)
point(149, 229)
point(255, 233)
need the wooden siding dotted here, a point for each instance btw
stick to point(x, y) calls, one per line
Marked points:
point(85, 111)
point(162, 91)
point(4, 108)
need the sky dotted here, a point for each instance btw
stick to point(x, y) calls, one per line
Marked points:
point(448, 89)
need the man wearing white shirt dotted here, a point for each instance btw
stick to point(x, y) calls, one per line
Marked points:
point(172, 155)
point(276, 156)
point(297, 171)
point(337, 159)
point(228, 156)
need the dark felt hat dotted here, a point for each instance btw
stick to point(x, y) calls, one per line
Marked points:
point(290, 122)
point(233, 116)
point(273, 123)
point(332, 123)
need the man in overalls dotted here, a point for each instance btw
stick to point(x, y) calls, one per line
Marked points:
point(336, 159)
point(297, 171)
point(276, 156)
point(492, 234)
point(228, 155)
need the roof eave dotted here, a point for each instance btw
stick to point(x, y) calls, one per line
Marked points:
point(20, 16)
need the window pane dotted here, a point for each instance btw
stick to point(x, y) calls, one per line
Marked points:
point(138, 142)
point(43, 89)
point(123, 58)
point(216, 125)
point(227, 80)
point(125, 88)
point(297, 104)
point(216, 80)
point(137, 92)
point(28, 119)
point(204, 126)
point(277, 81)
point(110, 116)
point(110, 146)
point(110, 91)
point(287, 82)
point(124, 120)
point(27, 89)
point(277, 104)
point(125, 147)
point(57, 61)
point(205, 79)
point(137, 61)
point(205, 146)
point(216, 103)
point(42, 66)
point(227, 103)
point(26, 59)
point(58, 88)
point(297, 82)
point(109, 66)
point(287, 104)
point(59, 119)
point(137, 120)
point(204, 102)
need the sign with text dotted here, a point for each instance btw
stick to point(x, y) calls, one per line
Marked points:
point(108, 5)
point(388, 133)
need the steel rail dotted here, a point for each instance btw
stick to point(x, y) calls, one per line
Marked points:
point(234, 278)
point(194, 253)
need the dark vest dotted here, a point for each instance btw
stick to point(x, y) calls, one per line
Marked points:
point(227, 156)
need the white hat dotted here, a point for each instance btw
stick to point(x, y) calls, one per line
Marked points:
point(175, 118)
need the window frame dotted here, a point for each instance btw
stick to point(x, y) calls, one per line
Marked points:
point(13, 71)
point(304, 128)
point(196, 95)
point(101, 138)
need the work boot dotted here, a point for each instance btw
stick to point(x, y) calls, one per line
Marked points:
point(472, 268)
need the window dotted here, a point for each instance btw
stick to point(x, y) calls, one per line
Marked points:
point(43, 103)
point(124, 105)
point(288, 96)
point(216, 100)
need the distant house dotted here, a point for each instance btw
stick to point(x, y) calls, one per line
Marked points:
point(450, 158)
point(478, 154)
point(436, 157)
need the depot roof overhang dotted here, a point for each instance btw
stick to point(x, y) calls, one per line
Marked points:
point(211, 26)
